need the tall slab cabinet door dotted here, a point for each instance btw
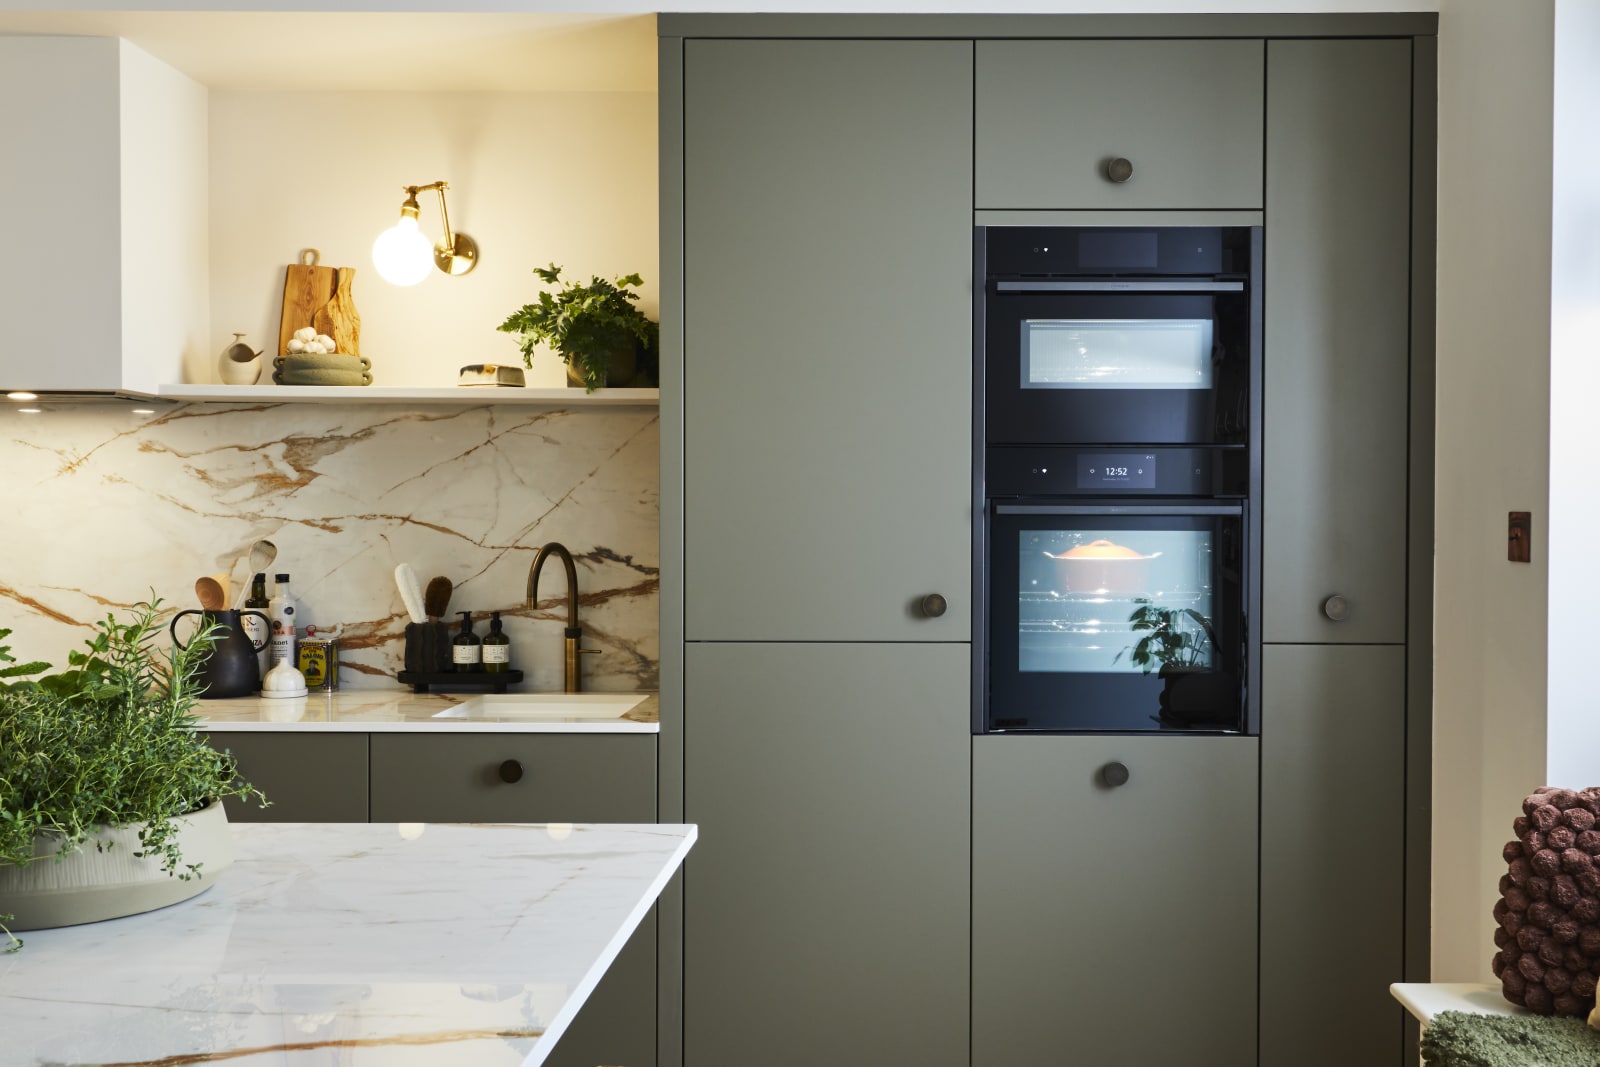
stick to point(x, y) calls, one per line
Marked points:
point(826, 903)
point(828, 339)
point(1332, 854)
point(1185, 116)
point(1337, 341)
point(1114, 926)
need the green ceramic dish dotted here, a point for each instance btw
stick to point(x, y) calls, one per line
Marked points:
point(328, 368)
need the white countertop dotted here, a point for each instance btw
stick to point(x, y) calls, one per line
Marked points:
point(1424, 1000)
point(348, 943)
point(383, 710)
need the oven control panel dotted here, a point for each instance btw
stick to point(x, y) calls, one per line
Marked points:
point(1062, 471)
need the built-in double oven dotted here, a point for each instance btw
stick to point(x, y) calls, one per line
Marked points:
point(1118, 385)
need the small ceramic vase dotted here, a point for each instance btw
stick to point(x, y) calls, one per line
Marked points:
point(238, 364)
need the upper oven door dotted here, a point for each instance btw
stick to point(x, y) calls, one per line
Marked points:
point(1117, 361)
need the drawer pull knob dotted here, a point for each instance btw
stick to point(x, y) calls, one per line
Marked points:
point(1118, 170)
point(1114, 774)
point(1336, 608)
point(934, 605)
point(510, 771)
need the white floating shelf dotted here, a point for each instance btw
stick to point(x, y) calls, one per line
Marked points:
point(380, 394)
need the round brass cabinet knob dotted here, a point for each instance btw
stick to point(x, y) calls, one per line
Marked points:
point(1118, 170)
point(934, 605)
point(1114, 774)
point(1336, 608)
point(510, 771)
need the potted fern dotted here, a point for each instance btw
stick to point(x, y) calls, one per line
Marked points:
point(596, 329)
point(105, 754)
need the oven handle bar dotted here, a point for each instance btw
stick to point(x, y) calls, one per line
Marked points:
point(1117, 286)
point(1119, 509)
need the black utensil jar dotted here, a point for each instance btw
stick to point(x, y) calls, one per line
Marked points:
point(231, 668)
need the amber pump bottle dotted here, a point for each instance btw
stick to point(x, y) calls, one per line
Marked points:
point(496, 647)
point(466, 651)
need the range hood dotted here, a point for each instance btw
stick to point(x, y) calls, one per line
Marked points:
point(24, 398)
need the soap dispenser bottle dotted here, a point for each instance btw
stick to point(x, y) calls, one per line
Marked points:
point(496, 647)
point(466, 651)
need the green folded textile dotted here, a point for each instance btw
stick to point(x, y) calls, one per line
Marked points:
point(1464, 1039)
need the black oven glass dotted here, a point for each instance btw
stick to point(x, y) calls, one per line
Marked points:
point(1118, 336)
point(1117, 617)
point(1108, 368)
point(1116, 354)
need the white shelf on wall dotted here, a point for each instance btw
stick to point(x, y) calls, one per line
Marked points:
point(381, 394)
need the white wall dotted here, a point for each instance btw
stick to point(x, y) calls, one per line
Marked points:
point(165, 230)
point(1493, 439)
point(534, 178)
point(1573, 740)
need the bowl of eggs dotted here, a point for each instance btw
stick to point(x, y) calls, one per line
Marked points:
point(313, 359)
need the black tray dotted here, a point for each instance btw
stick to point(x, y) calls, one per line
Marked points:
point(422, 681)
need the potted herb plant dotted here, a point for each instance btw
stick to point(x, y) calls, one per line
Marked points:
point(106, 754)
point(1177, 645)
point(596, 329)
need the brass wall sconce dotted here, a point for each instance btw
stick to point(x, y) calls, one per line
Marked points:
point(402, 253)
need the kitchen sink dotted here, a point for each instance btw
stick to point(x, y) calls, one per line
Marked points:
point(545, 706)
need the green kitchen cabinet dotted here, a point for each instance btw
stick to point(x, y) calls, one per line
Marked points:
point(527, 777)
point(827, 264)
point(1185, 114)
point(826, 901)
point(1114, 924)
point(542, 777)
point(1337, 341)
point(307, 776)
point(1332, 854)
point(315, 776)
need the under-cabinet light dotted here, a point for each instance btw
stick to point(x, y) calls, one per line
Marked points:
point(21, 395)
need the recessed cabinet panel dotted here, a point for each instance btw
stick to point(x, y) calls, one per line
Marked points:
point(1185, 116)
point(828, 339)
point(60, 299)
point(1332, 854)
point(826, 902)
point(431, 777)
point(307, 777)
point(1114, 924)
point(1337, 344)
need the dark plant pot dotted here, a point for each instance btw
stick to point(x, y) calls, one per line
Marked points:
point(1193, 697)
point(621, 364)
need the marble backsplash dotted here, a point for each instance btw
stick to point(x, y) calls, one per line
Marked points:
point(108, 505)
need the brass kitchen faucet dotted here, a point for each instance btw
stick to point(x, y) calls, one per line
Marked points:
point(571, 673)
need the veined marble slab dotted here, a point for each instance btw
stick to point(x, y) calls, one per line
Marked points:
point(384, 711)
point(346, 492)
point(350, 944)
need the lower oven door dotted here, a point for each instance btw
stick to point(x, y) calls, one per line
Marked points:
point(1114, 616)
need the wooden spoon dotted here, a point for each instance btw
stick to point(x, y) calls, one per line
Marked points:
point(437, 597)
point(209, 590)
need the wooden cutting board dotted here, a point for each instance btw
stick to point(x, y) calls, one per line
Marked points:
point(338, 318)
point(306, 289)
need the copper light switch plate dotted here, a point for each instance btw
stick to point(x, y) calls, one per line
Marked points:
point(1519, 537)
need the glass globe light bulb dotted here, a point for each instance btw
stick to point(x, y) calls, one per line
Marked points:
point(402, 255)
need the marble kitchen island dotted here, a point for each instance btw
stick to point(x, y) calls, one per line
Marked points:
point(351, 944)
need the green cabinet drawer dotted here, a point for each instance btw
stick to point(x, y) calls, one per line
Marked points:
point(1093, 904)
point(432, 777)
point(307, 777)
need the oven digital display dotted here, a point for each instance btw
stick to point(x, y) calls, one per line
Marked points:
point(1116, 470)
